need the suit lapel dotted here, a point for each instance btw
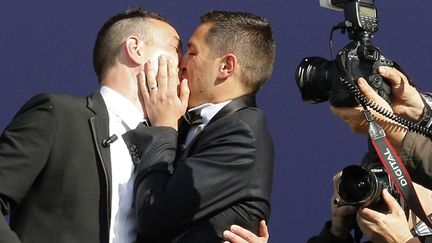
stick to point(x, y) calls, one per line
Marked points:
point(235, 105)
point(99, 125)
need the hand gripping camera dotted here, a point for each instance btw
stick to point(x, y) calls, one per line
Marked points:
point(320, 80)
point(359, 186)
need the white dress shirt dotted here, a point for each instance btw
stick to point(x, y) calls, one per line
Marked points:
point(207, 112)
point(123, 116)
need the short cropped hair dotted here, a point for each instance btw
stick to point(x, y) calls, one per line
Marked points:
point(114, 32)
point(246, 35)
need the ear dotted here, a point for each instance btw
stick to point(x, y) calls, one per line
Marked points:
point(133, 50)
point(227, 66)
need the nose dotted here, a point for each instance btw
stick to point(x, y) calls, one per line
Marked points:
point(183, 65)
point(183, 61)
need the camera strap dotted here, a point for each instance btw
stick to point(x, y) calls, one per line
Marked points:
point(395, 168)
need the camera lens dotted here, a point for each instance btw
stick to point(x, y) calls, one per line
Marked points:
point(358, 186)
point(313, 78)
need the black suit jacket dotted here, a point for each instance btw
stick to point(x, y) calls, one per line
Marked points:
point(54, 171)
point(223, 177)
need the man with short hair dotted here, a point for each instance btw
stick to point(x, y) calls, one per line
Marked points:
point(64, 176)
point(216, 171)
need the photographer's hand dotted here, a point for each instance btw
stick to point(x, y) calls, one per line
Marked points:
point(340, 226)
point(406, 100)
point(354, 117)
point(380, 227)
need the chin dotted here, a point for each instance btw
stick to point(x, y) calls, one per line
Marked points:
point(192, 103)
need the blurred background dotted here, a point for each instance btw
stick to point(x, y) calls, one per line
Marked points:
point(46, 46)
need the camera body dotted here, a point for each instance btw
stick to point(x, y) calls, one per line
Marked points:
point(320, 80)
point(359, 186)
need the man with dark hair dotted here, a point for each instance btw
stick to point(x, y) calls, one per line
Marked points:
point(65, 172)
point(217, 170)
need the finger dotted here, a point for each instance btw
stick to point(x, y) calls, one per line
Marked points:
point(347, 114)
point(370, 94)
point(142, 84)
point(173, 77)
point(369, 214)
point(367, 90)
point(150, 76)
point(336, 180)
point(391, 202)
point(344, 211)
point(366, 226)
point(340, 112)
point(184, 93)
point(392, 74)
point(233, 237)
point(162, 75)
point(263, 230)
point(243, 233)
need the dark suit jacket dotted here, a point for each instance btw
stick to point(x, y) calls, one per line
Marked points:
point(223, 177)
point(54, 172)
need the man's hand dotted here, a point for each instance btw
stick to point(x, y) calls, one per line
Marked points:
point(355, 118)
point(340, 226)
point(237, 234)
point(381, 227)
point(164, 101)
point(406, 100)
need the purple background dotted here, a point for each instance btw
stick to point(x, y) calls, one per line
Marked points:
point(46, 46)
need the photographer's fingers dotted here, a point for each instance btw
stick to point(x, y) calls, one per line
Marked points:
point(354, 117)
point(367, 91)
point(341, 225)
point(406, 100)
point(336, 180)
point(392, 204)
point(368, 215)
point(375, 216)
point(387, 227)
point(393, 75)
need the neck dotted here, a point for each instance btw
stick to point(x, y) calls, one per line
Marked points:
point(125, 83)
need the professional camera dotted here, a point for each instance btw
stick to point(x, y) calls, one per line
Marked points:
point(320, 79)
point(362, 187)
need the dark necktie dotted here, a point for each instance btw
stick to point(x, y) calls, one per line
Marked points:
point(193, 118)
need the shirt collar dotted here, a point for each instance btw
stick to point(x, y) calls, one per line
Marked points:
point(122, 107)
point(209, 110)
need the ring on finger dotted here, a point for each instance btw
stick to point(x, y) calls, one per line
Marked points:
point(152, 88)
